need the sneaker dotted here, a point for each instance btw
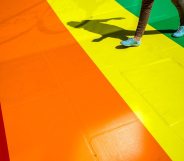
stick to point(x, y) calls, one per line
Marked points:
point(131, 42)
point(179, 32)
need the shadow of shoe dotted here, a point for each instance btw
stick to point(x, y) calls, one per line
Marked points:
point(121, 47)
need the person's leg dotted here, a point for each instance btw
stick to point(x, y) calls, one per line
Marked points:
point(143, 20)
point(180, 7)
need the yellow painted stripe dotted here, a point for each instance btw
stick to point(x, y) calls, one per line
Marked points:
point(149, 78)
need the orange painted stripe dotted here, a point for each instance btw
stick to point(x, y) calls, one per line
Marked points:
point(53, 96)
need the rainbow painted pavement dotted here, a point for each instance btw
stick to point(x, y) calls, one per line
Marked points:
point(70, 92)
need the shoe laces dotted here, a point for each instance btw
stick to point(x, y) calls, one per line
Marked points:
point(131, 39)
point(180, 29)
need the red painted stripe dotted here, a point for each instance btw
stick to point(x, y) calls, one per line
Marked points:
point(4, 156)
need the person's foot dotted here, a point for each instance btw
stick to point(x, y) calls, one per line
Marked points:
point(179, 32)
point(131, 42)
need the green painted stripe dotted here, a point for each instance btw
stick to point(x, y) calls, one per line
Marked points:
point(164, 16)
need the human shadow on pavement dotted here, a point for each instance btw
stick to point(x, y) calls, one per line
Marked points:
point(99, 26)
